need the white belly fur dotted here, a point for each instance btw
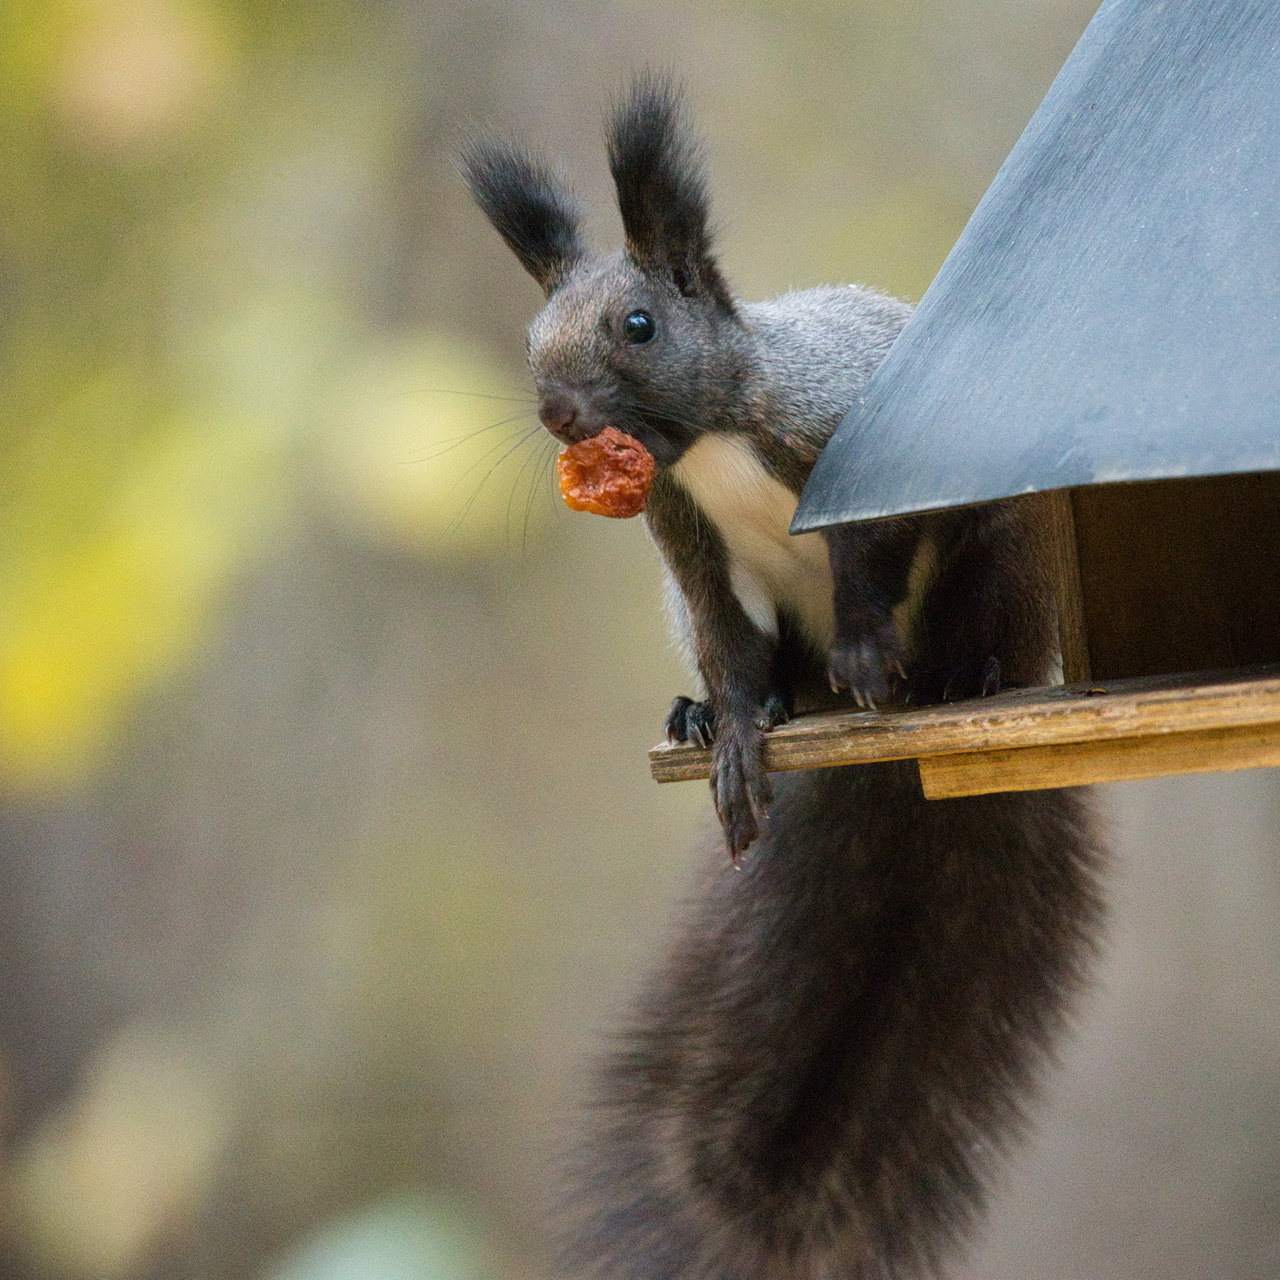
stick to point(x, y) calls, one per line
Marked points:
point(769, 569)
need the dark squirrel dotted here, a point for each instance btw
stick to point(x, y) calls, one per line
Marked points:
point(819, 1078)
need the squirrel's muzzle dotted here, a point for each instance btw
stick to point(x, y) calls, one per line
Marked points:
point(570, 416)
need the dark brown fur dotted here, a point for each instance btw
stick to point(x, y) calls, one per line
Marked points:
point(819, 1080)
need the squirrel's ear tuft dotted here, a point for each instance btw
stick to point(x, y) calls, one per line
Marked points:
point(661, 192)
point(532, 211)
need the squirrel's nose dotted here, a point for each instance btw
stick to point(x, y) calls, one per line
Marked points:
point(562, 414)
point(558, 414)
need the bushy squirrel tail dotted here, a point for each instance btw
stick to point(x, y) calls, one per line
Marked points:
point(817, 1083)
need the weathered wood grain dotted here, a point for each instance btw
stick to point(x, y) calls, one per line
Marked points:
point(1106, 760)
point(1064, 559)
point(1049, 717)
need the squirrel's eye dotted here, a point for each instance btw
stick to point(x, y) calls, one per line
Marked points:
point(639, 327)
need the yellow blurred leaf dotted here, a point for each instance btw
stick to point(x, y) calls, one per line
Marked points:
point(89, 621)
point(129, 71)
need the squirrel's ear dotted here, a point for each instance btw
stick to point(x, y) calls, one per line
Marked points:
point(536, 215)
point(661, 193)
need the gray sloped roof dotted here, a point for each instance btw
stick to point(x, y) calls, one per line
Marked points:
point(1112, 310)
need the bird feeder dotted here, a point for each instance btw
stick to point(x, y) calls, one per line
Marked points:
point(1105, 334)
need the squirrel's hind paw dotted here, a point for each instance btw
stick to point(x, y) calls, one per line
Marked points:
point(863, 667)
point(959, 683)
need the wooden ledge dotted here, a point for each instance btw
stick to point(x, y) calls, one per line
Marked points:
point(1028, 739)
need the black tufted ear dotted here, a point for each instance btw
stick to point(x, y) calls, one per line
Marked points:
point(537, 216)
point(661, 192)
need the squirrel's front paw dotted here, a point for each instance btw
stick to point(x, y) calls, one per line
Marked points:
point(740, 788)
point(863, 666)
point(690, 721)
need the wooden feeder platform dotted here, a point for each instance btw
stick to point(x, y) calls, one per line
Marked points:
point(1168, 602)
point(1029, 739)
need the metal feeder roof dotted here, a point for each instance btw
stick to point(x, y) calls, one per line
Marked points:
point(1112, 310)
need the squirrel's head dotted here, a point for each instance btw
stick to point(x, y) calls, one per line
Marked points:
point(647, 340)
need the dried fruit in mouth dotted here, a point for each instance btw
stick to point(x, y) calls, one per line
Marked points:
point(608, 475)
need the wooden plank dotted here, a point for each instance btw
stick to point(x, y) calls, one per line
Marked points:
point(1109, 760)
point(1111, 709)
point(1064, 560)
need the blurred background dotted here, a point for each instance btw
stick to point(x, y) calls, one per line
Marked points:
point(328, 849)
